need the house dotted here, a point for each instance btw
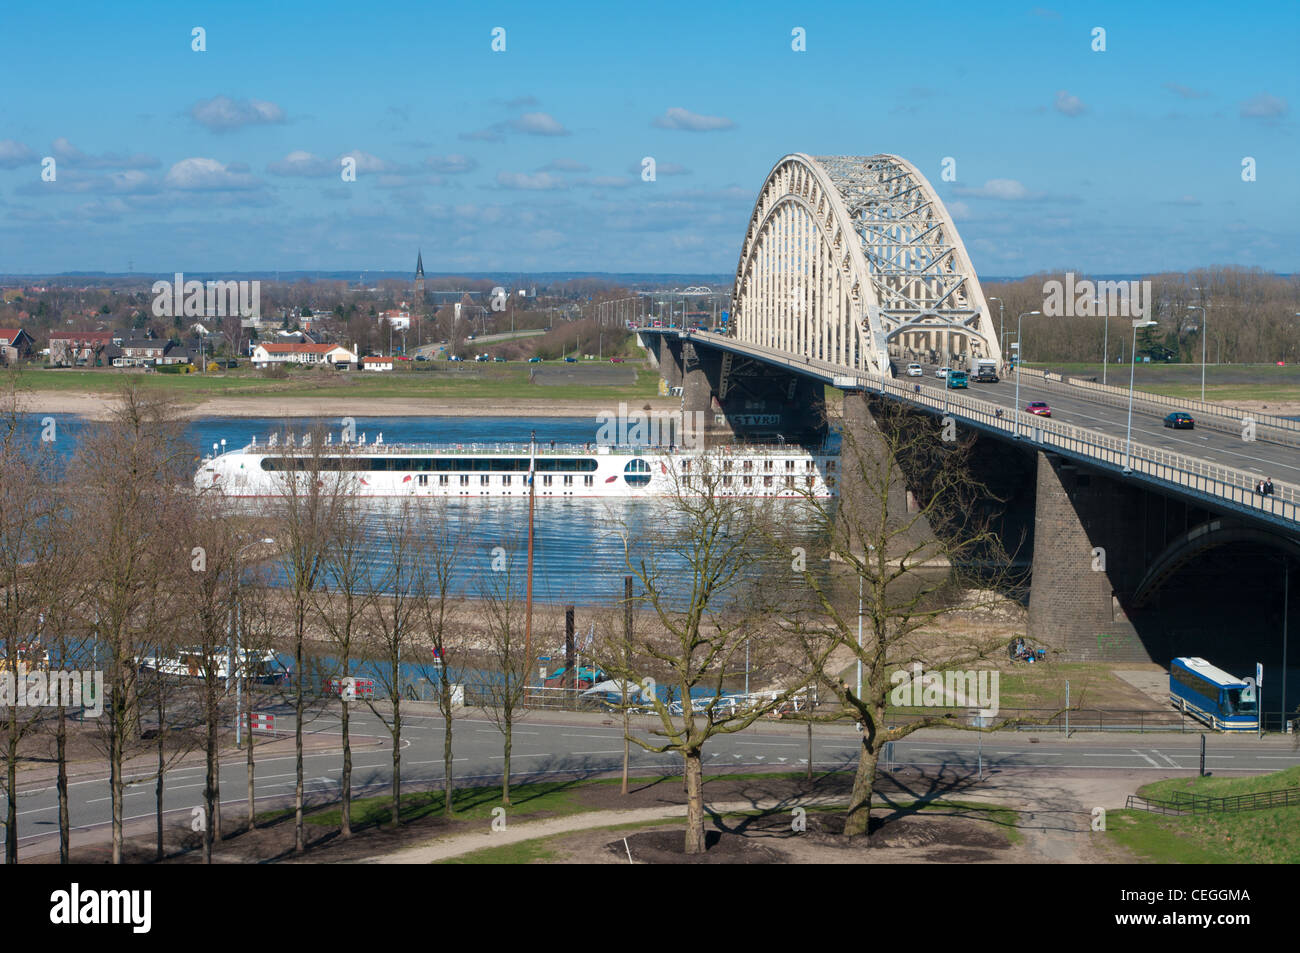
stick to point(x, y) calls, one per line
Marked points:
point(266, 354)
point(140, 351)
point(376, 363)
point(398, 320)
point(73, 348)
point(15, 345)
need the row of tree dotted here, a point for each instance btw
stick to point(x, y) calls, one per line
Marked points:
point(107, 554)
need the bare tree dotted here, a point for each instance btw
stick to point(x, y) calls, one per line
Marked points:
point(343, 605)
point(313, 487)
point(28, 545)
point(130, 470)
point(503, 686)
point(700, 578)
point(916, 529)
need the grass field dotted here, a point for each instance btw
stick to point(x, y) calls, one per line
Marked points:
point(1222, 381)
point(1265, 837)
point(508, 382)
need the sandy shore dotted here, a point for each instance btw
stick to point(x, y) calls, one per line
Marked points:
point(1274, 408)
point(97, 407)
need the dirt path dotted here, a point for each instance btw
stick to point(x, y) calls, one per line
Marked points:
point(1055, 816)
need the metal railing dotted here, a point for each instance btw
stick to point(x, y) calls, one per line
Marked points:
point(1181, 803)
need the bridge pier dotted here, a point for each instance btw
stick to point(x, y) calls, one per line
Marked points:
point(1088, 559)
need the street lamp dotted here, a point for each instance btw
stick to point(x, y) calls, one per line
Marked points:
point(1132, 366)
point(1000, 321)
point(1020, 359)
point(236, 653)
point(1205, 330)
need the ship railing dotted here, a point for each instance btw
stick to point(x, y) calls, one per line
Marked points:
point(517, 450)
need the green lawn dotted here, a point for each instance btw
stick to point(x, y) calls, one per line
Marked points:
point(1264, 837)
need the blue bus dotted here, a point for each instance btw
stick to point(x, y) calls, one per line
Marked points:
point(1222, 701)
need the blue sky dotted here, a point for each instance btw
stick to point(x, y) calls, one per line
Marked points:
point(1127, 160)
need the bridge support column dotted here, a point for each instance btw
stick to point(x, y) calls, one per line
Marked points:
point(670, 361)
point(701, 370)
point(1088, 558)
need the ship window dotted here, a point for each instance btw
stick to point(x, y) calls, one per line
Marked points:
point(767, 464)
point(726, 466)
point(636, 473)
point(484, 480)
point(767, 481)
point(505, 480)
point(748, 481)
point(424, 479)
point(588, 480)
point(568, 479)
point(749, 464)
point(442, 479)
point(546, 480)
point(464, 479)
point(726, 480)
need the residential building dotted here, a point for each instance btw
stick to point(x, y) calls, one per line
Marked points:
point(376, 363)
point(266, 354)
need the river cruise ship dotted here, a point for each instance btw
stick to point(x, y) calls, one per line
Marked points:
point(501, 470)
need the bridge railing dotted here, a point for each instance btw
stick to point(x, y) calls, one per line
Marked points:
point(1201, 476)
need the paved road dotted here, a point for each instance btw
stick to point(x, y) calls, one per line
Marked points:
point(567, 744)
point(1266, 459)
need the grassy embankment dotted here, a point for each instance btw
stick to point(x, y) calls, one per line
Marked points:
point(1270, 836)
point(472, 381)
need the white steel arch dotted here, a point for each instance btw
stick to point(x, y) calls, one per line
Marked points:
point(848, 258)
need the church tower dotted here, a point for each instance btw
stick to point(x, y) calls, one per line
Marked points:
point(419, 279)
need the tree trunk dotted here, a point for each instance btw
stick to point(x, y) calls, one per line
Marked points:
point(345, 824)
point(694, 802)
point(444, 704)
point(115, 765)
point(209, 788)
point(252, 815)
point(161, 784)
point(11, 812)
point(858, 820)
point(299, 841)
point(505, 779)
point(65, 822)
point(397, 760)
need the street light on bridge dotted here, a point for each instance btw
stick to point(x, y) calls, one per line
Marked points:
point(1128, 440)
point(1205, 332)
point(1020, 359)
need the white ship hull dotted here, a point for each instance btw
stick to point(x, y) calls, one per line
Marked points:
point(395, 470)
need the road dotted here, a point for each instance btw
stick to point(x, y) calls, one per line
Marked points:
point(571, 744)
point(1266, 459)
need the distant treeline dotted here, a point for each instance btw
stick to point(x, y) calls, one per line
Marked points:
point(1251, 318)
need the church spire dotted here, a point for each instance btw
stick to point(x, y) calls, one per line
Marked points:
point(419, 265)
point(419, 279)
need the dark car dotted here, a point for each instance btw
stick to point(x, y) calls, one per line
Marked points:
point(534, 360)
point(1180, 421)
point(570, 360)
point(1038, 408)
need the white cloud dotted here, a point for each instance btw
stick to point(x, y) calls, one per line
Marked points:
point(70, 155)
point(1264, 107)
point(535, 181)
point(304, 164)
point(538, 124)
point(678, 118)
point(1006, 190)
point(452, 164)
point(223, 114)
point(1069, 104)
point(207, 175)
point(14, 153)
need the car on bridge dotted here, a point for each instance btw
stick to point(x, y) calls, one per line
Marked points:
point(942, 372)
point(957, 380)
point(914, 370)
point(1180, 421)
point(534, 360)
point(1038, 408)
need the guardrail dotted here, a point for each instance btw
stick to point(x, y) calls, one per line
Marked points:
point(1210, 479)
point(1182, 803)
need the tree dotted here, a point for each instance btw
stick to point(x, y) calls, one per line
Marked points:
point(130, 471)
point(503, 687)
point(343, 607)
point(29, 545)
point(914, 526)
point(714, 546)
point(314, 488)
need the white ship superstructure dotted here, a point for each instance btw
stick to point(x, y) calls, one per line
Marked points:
point(502, 470)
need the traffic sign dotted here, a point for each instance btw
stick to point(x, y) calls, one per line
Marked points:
point(263, 722)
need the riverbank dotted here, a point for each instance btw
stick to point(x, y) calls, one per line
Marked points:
point(99, 406)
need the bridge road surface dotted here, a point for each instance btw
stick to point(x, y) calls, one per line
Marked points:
point(1266, 459)
point(578, 745)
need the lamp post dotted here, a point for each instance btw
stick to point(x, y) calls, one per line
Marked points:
point(1020, 359)
point(236, 653)
point(1105, 347)
point(1205, 330)
point(1001, 322)
point(1132, 367)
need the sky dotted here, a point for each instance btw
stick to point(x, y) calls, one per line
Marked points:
point(530, 157)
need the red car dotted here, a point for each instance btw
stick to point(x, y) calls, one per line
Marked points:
point(1038, 408)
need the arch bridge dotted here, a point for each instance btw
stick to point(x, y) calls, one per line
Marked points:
point(849, 259)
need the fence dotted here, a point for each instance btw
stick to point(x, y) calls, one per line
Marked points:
point(1182, 803)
